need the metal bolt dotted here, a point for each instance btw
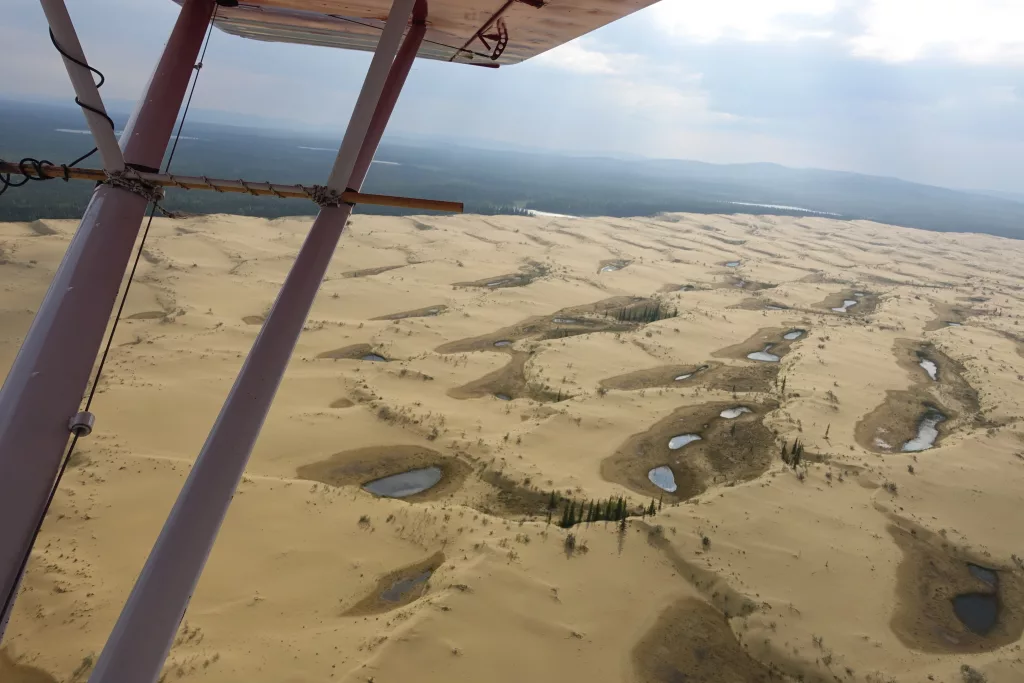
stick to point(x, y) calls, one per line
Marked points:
point(81, 424)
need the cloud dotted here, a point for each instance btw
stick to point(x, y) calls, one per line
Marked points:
point(974, 31)
point(969, 31)
point(578, 58)
point(745, 20)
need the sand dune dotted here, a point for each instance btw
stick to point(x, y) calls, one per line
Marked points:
point(525, 357)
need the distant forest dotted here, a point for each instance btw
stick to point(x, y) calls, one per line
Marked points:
point(491, 181)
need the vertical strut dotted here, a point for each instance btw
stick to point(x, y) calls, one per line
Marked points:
point(145, 630)
point(86, 90)
point(46, 383)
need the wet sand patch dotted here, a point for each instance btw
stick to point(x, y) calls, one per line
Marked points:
point(766, 336)
point(608, 315)
point(746, 285)
point(612, 265)
point(151, 315)
point(506, 384)
point(363, 465)
point(253, 319)
point(511, 499)
point(661, 376)
point(16, 672)
point(425, 312)
point(896, 420)
point(692, 641)
point(947, 315)
point(525, 276)
point(729, 450)
point(754, 303)
point(712, 375)
point(950, 387)
point(352, 352)
point(366, 272)
point(864, 302)
point(931, 575)
point(342, 403)
point(398, 588)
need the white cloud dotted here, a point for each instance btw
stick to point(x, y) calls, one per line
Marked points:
point(578, 58)
point(973, 31)
point(746, 20)
point(976, 31)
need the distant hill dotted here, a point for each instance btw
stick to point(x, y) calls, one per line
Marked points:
point(498, 181)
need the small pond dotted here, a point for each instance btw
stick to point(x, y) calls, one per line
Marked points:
point(732, 413)
point(773, 307)
point(764, 355)
point(927, 432)
point(793, 334)
point(503, 343)
point(663, 478)
point(950, 323)
point(503, 397)
point(400, 589)
point(985, 574)
point(931, 368)
point(677, 442)
point(732, 264)
point(406, 483)
point(375, 357)
point(977, 611)
point(566, 321)
point(847, 303)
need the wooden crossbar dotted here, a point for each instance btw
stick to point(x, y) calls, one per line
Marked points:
point(234, 186)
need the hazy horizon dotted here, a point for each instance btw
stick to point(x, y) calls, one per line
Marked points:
point(899, 89)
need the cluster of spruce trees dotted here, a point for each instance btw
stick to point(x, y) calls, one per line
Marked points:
point(610, 510)
point(647, 313)
point(791, 455)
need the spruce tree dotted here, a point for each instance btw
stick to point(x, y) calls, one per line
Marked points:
point(652, 510)
point(590, 512)
point(552, 501)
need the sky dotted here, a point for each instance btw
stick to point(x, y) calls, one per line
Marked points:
point(925, 90)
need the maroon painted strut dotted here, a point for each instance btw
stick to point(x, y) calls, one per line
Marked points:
point(145, 630)
point(45, 385)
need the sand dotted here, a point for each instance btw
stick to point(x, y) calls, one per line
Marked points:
point(841, 568)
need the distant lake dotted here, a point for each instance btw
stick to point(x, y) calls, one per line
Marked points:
point(783, 207)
